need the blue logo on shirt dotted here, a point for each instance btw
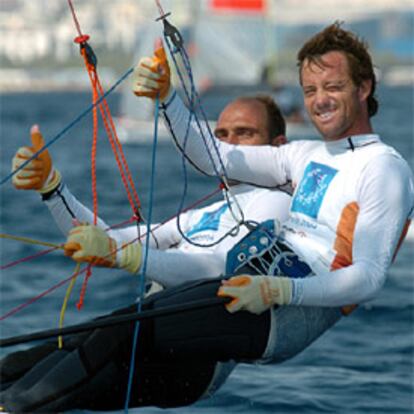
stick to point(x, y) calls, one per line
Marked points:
point(312, 189)
point(209, 221)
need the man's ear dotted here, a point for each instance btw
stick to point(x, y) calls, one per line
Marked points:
point(365, 89)
point(278, 140)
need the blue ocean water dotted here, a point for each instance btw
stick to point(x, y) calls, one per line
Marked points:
point(364, 364)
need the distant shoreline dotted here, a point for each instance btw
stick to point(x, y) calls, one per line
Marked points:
point(71, 79)
point(76, 79)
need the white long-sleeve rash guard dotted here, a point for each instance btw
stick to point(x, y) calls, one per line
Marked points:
point(184, 262)
point(352, 199)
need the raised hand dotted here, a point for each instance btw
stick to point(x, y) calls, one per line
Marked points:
point(39, 173)
point(151, 77)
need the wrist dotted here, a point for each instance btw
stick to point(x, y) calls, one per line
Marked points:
point(297, 291)
point(51, 194)
point(167, 99)
point(52, 183)
point(281, 288)
point(129, 257)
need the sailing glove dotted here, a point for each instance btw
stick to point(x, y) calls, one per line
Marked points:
point(151, 76)
point(39, 173)
point(90, 244)
point(256, 293)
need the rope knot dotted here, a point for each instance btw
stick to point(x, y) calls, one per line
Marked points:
point(89, 55)
point(81, 39)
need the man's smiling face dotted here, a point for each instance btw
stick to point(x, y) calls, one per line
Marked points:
point(336, 106)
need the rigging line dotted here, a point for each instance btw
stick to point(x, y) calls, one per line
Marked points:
point(228, 194)
point(190, 99)
point(281, 187)
point(194, 101)
point(179, 227)
point(160, 9)
point(90, 61)
point(172, 33)
point(24, 305)
point(46, 292)
point(36, 298)
point(90, 64)
point(210, 135)
point(65, 302)
point(119, 156)
point(181, 149)
point(30, 241)
point(238, 221)
point(145, 262)
point(93, 152)
point(115, 226)
point(69, 126)
point(75, 19)
point(151, 194)
point(232, 232)
point(116, 320)
point(28, 258)
point(111, 133)
point(80, 302)
point(223, 176)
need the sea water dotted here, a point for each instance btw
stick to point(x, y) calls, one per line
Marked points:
point(363, 365)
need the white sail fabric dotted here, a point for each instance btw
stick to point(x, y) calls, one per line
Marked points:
point(229, 49)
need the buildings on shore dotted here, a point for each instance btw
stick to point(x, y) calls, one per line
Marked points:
point(37, 35)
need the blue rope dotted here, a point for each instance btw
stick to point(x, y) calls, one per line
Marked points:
point(194, 102)
point(145, 262)
point(187, 64)
point(69, 126)
point(191, 101)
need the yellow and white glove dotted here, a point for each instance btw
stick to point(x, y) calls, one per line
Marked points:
point(39, 173)
point(256, 293)
point(152, 76)
point(90, 244)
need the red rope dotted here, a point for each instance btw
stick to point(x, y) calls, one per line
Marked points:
point(109, 125)
point(36, 298)
point(24, 305)
point(82, 294)
point(91, 69)
point(93, 158)
point(119, 147)
point(115, 226)
point(97, 92)
point(26, 259)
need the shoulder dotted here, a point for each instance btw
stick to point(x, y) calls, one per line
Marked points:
point(389, 162)
point(300, 150)
point(389, 177)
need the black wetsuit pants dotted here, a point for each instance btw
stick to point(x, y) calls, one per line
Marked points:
point(174, 363)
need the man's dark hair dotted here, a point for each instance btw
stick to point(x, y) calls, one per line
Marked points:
point(276, 124)
point(334, 38)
